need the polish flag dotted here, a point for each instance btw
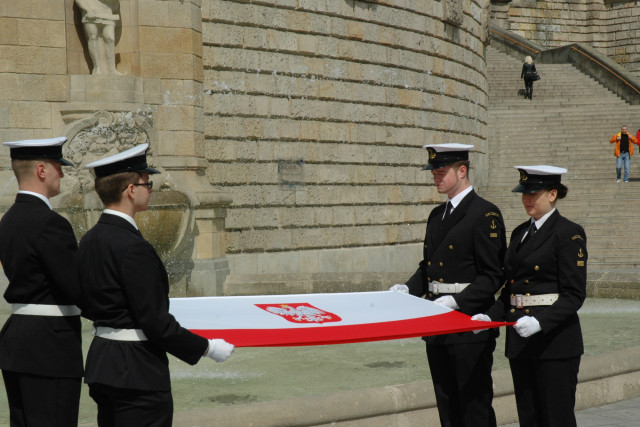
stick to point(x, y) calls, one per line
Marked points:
point(319, 319)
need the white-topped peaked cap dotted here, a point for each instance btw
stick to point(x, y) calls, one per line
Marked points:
point(538, 177)
point(131, 160)
point(441, 155)
point(37, 149)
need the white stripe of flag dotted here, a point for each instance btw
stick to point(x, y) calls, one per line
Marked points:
point(316, 319)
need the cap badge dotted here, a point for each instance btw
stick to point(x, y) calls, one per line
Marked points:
point(523, 175)
point(432, 153)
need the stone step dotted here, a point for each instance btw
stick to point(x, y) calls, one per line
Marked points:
point(568, 124)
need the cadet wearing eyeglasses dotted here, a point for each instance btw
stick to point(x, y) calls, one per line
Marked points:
point(125, 293)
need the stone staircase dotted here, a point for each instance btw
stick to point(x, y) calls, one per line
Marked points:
point(568, 124)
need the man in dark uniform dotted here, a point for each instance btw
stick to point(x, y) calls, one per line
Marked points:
point(462, 269)
point(40, 345)
point(125, 293)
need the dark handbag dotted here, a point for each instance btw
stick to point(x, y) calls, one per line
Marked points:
point(536, 76)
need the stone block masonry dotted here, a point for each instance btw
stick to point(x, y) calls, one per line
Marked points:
point(354, 90)
point(232, 94)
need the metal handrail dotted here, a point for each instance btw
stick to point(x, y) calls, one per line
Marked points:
point(606, 68)
point(515, 41)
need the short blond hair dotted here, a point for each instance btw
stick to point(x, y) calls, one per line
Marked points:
point(528, 60)
point(23, 168)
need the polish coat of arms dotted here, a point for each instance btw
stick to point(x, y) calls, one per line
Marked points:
point(300, 313)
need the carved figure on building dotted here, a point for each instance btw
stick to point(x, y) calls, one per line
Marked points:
point(99, 18)
point(101, 134)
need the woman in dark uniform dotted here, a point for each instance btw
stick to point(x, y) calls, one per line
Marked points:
point(528, 74)
point(546, 273)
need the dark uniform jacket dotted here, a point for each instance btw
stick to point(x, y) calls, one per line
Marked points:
point(468, 247)
point(554, 260)
point(125, 286)
point(37, 250)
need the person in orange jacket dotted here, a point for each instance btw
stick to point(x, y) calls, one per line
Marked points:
point(624, 151)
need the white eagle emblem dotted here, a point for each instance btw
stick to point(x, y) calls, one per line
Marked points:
point(300, 313)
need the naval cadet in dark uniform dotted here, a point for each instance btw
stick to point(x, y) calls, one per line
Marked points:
point(125, 293)
point(40, 344)
point(461, 269)
point(546, 271)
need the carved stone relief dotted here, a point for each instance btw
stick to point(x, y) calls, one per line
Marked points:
point(102, 134)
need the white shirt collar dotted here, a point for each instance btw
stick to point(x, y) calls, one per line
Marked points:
point(458, 197)
point(121, 215)
point(539, 222)
point(38, 195)
point(544, 218)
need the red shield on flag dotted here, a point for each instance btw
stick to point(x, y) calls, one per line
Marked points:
point(300, 313)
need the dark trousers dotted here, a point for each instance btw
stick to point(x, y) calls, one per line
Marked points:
point(118, 407)
point(528, 88)
point(545, 391)
point(36, 401)
point(461, 375)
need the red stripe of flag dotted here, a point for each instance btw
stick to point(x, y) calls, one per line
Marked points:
point(446, 323)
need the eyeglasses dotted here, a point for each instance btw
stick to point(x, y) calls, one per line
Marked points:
point(149, 185)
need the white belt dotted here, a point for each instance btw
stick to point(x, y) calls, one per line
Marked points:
point(447, 288)
point(520, 301)
point(120, 334)
point(45, 310)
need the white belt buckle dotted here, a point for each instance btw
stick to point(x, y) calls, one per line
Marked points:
point(519, 301)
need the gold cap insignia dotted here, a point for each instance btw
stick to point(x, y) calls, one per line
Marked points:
point(523, 175)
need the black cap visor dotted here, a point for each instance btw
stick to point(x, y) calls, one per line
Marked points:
point(530, 184)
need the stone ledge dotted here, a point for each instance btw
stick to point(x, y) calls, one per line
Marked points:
point(603, 379)
point(303, 283)
point(613, 284)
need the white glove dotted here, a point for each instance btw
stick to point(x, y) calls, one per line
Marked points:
point(480, 318)
point(219, 350)
point(448, 301)
point(527, 326)
point(399, 288)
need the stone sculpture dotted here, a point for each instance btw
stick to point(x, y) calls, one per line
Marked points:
point(99, 18)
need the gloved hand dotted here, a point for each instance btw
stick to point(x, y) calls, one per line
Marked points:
point(448, 301)
point(527, 326)
point(481, 318)
point(399, 288)
point(219, 350)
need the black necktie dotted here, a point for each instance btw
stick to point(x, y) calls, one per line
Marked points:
point(447, 210)
point(530, 232)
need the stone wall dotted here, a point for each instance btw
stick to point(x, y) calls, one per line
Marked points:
point(309, 114)
point(47, 90)
point(610, 26)
point(343, 95)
